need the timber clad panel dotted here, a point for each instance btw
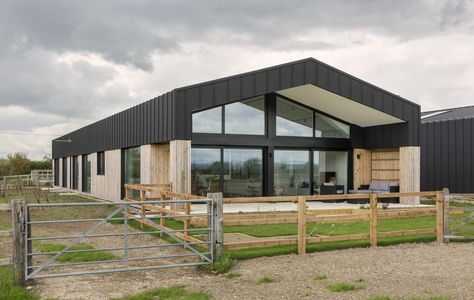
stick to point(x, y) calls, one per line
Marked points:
point(362, 167)
point(385, 165)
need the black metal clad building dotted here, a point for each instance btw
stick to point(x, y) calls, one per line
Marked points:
point(447, 150)
point(169, 116)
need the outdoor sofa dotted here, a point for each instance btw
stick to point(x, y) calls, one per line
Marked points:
point(377, 187)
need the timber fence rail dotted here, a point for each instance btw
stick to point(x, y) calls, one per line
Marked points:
point(162, 192)
point(304, 215)
point(301, 216)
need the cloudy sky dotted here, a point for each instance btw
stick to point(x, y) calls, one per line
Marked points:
point(64, 64)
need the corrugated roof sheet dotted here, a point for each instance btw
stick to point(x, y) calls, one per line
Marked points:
point(465, 112)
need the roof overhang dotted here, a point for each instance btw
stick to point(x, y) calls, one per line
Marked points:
point(338, 106)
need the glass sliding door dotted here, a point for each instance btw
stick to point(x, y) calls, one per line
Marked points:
point(329, 168)
point(205, 170)
point(243, 172)
point(291, 172)
point(86, 173)
point(132, 168)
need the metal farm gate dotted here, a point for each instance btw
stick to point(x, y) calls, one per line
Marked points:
point(458, 217)
point(138, 238)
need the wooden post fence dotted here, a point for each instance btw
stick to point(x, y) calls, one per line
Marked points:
point(373, 220)
point(301, 225)
point(18, 237)
point(187, 211)
point(218, 213)
point(439, 217)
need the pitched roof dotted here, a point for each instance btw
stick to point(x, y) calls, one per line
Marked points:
point(464, 112)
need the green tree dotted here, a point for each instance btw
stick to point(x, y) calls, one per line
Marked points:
point(20, 164)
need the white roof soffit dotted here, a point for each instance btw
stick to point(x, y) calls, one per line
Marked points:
point(338, 106)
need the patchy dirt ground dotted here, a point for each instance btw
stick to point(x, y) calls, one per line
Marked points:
point(399, 271)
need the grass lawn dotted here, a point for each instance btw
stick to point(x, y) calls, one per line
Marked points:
point(331, 229)
point(76, 257)
point(8, 291)
point(175, 292)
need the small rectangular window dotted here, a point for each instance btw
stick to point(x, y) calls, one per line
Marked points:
point(100, 163)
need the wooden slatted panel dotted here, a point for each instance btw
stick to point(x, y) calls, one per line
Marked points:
point(385, 165)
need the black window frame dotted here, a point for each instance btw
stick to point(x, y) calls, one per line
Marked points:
point(101, 163)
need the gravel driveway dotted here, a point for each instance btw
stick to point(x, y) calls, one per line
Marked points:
point(402, 271)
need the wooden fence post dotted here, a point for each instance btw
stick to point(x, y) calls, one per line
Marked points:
point(218, 215)
point(187, 211)
point(445, 214)
point(142, 199)
point(18, 238)
point(301, 225)
point(373, 220)
point(439, 217)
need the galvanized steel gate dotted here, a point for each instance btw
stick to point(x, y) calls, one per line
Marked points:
point(458, 217)
point(176, 251)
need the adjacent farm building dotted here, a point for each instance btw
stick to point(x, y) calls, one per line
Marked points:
point(447, 149)
point(300, 128)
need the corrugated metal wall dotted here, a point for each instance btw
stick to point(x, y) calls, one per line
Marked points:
point(146, 123)
point(169, 116)
point(447, 152)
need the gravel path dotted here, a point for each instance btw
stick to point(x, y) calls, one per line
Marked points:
point(402, 271)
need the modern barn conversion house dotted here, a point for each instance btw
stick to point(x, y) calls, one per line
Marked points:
point(294, 129)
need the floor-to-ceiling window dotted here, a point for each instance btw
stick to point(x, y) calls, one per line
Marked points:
point(86, 173)
point(75, 173)
point(291, 172)
point(243, 173)
point(205, 170)
point(329, 167)
point(235, 172)
point(132, 168)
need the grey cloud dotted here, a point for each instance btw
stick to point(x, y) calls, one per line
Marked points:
point(129, 32)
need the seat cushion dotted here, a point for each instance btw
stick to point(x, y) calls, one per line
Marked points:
point(379, 186)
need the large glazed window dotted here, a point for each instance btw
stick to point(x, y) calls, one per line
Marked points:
point(329, 168)
point(243, 173)
point(205, 171)
point(293, 119)
point(86, 173)
point(327, 127)
point(132, 168)
point(208, 121)
point(246, 117)
point(291, 172)
point(75, 173)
